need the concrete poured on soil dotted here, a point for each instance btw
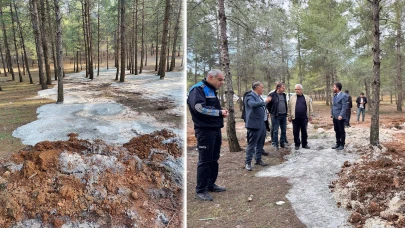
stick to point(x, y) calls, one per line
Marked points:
point(93, 116)
point(311, 171)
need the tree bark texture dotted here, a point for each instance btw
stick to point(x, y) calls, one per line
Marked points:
point(22, 44)
point(162, 64)
point(399, 56)
point(51, 32)
point(8, 55)
point(231, 131)
point(15, 43)
point(175, 35)
point(44, 39)
point(122, 76)
point(374, 128)
point(59, 51)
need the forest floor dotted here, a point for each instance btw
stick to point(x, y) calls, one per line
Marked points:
point(313, 183)
point(110, 155)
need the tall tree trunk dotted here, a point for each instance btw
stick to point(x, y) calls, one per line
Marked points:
point(8, 55)
point(374, 128)
point(107, 52)
point(157, 42)
point(142, 37)
point(122, 76)
point(231, 131)
point(51, 32)
point(98, 38)
point(175, 35)
point(89, 41)
point(136, 37)
point(45, 43)
point(38, 42)
point(117, 39)
point(86, 52)
point(59, 51)
point(3, 62)
point(399, 91)
point(162, 64)
point(15, 43)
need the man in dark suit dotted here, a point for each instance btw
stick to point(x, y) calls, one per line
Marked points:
point(255, 117)
point(349, 108)
point(338, 113)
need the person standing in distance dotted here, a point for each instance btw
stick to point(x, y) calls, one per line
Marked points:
point(207, 116)
point(349, 108)
point(255, 109)
point(338, 113)
point(361, 106)
point(299, 112)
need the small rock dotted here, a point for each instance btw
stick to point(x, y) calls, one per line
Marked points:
point(6, 174)
point(355, 217)
point(396, 182)
point(347, 164)
point(250, 198)
point(280, 203)
point(145, 204)
point(134, 195)
point(373, 207)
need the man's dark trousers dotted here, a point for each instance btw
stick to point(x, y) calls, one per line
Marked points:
point(339, 127)
point(256, 139)
point(279, 121)
point(348, 114)
point(209, 146)
point(300, 124)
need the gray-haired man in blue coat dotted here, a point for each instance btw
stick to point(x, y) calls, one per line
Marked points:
point(255, 108)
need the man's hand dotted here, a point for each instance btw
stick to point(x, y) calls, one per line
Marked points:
point(225, 113)
point(340, 118)
point(268, 99)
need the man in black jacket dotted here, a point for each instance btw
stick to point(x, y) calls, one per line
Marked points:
point(207, 115)
point(278, 109)
point(361, 106)
point(349, 108)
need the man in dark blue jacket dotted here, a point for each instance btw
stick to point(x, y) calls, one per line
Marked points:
point(207, 115)
point(254, 123)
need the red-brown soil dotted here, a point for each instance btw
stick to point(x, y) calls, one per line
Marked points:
point(93, 182)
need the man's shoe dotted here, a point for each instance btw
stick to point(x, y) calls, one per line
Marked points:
point(248, 167)
point(216, 188)
point(260, 162)
point(264, 153)
point(335, 146)
point(282, 145)
point(275, 148)
point(204, 196)
point(306, 147)
point(340, 147)
point(297, 147)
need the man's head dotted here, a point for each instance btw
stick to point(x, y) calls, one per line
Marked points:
point(280, 88)
point(346, 91)
point(215, 78)
point(257, 87)
point(337, 87)
point(299, 89)
point(361, 94)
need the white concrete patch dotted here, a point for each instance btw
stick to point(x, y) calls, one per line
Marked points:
point(311, 171)
point(92, 116)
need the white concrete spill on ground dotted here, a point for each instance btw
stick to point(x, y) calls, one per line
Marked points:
point(310, 171)
point(93, 116)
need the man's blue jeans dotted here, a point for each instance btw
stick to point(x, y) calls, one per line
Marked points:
point(363, 112)
point(279, 121)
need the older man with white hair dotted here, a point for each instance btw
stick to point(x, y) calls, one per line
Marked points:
point(299, 112)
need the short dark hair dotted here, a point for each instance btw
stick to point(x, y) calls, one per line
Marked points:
point(346, 91)
point(279, 85)
point(338, 85)
point(361, 93)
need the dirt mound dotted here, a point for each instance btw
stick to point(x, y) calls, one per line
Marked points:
point(93, 184)
point(374, 190)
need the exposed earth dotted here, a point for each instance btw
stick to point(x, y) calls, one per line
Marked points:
point(110, 155)
point(313, 183)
